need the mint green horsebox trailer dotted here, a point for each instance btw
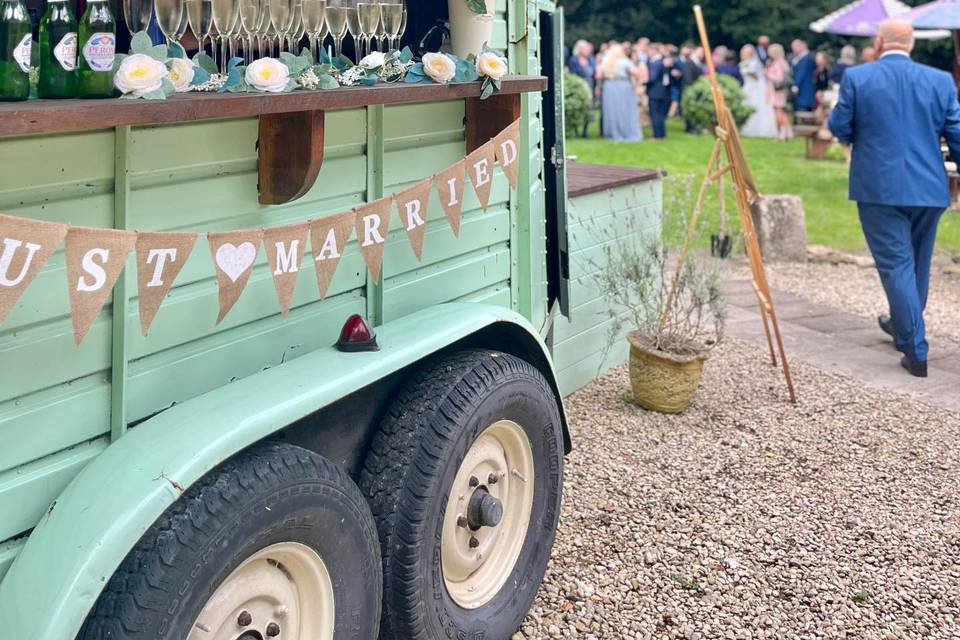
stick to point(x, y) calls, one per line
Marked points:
point(259, 478)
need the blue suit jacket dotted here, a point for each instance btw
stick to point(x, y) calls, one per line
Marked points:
point(803, 70)
point(656, 90)
point(894, 112)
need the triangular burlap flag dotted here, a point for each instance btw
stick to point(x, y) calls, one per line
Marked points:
point(412, 208)
point(25, 246)
point(234, 253)
point(450, 187)
point(95, 258)
point(285, 247)
point(507, 146)
point(480, 170)
point(373, 224)
point(329, 237)
point(160, 257)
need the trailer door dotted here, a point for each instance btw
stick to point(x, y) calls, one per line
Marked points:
point(554, 167)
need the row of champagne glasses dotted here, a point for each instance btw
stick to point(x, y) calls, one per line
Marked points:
point(256, 23)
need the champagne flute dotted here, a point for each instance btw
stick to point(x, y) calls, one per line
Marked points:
point(336, 18)
point(391, 13)
point(353, 26)
point(263, 26)
point(380, 35)
point(199, 15)
point(369, 14)
point(279, 18)
point(297, 28)
point(169, 13)
point(403, 28)
point(225, 15)
point(249, 20)
point(313, 21)
point(184, 24)
point(136, 14)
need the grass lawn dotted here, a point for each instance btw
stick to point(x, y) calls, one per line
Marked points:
point(777, 168)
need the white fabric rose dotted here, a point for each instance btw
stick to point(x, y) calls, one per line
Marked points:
point(491, 65)
point(439, 67)
point(267, 74)
point(139, 74)
point(181, 74)
point(373, 61)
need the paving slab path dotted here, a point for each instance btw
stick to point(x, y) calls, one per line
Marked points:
point(844, 343)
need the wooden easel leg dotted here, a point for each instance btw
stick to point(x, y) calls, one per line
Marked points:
point(783, 356)
point(766, 330)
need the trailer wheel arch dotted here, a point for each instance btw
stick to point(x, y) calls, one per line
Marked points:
point(91, 526)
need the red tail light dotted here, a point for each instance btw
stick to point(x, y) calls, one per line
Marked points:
point(357, 335)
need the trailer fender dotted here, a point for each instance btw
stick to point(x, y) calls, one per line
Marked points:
point(103, 512)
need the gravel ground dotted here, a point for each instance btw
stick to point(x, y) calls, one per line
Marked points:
point(747, 517)
point(857, 290)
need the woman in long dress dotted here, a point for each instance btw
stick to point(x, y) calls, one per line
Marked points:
point(621, 117)
point(763, 122)
point(779, 85)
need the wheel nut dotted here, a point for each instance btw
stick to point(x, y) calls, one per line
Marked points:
point(273, 630)
point(474, 543)
point(492, 478)
point(474, 482)
point(244, 619)
point(462, 522)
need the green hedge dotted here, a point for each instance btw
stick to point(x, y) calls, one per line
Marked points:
point(577, 103)
point(697, 102)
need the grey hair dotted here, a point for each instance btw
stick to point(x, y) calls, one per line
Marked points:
point(848, 55)
point(579, 45)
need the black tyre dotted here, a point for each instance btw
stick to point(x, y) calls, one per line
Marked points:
point(277, 542)
point(464, 479)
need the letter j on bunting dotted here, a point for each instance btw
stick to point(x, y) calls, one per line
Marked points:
point(95, 258)
point(234, 253)
point(412, 208)
point(329, 237)
point(373, 224)
point(507, 145)
point(160, 257)
point(285, 248)
point(25, 246)
point(480, 170)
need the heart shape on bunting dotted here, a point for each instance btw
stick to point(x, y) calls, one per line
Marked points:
point(234, 253)
point(480, 169)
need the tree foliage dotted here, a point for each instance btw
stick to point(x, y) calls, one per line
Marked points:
point(698, 103)
point(729, 23)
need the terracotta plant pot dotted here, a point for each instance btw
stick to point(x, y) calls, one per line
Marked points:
point(469, 31)
point(663, 382)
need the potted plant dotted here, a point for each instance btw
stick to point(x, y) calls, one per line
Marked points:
point(471, 25)
point(670, 336)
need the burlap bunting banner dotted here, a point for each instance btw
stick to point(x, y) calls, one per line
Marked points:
point(507, 146)
point(450, 187)
point(26, 247)
point(234, 253)
point(285, 248)
point(160, 257)
point(480, 170)
point(373, 225)
point(95, 258)
point(412, 208)
point(329, 237)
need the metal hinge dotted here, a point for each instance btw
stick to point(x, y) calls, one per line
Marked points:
point(557, 158)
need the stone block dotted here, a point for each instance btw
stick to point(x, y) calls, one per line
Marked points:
point(781, 228)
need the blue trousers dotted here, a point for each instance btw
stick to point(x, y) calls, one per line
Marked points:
point(659, 108)
point(901, 240)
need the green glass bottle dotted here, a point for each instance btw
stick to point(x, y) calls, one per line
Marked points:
point(98, 42)
point(58, 51)
point(16, 36)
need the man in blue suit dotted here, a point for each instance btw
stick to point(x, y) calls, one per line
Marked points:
point(803, 65)
point(894, 113)
point(658, 92)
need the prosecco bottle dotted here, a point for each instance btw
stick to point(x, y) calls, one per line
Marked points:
point(98, 42)
point(16, 36)
point(58, 51)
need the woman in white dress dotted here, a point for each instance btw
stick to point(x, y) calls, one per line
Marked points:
point(763, 122)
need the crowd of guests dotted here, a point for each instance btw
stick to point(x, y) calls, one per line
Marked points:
point(642, 83)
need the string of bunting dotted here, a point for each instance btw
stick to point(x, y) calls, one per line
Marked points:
point(96, 257)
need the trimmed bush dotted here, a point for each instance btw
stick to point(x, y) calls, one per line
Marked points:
point(577, 103)
point(697, 102)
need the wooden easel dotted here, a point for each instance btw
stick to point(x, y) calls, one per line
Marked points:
point(745, 191)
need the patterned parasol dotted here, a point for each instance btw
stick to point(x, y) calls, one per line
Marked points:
point(861, 17)
point(942, 14)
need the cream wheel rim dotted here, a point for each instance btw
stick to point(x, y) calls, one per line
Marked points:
point(476, 558)
point(282, 592)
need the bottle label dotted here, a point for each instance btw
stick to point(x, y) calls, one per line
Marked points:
point(21, 53)
point(66, 51)
point(99, 50)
